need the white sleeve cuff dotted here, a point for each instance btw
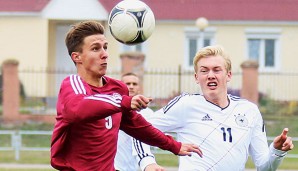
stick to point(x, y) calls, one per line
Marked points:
point(146, 161)
point(277, 153)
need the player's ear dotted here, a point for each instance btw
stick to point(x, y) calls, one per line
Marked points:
point(75, 56)
point(229, 76)
point(197, 78)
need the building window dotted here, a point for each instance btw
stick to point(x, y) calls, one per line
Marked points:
point(263, 47)
point(194, 46)
point(192, 50)
point(194, 43)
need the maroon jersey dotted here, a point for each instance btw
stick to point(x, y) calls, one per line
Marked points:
point(88, 120)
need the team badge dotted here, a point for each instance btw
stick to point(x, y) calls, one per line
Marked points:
point(117, 96)
point(241, 120)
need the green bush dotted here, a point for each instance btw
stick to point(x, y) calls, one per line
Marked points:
point(269, 106)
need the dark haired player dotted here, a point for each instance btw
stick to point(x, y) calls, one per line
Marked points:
point(92, 107)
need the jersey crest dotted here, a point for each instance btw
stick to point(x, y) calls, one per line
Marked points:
point(241, 120)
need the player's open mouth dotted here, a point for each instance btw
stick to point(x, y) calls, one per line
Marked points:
point(212, 84)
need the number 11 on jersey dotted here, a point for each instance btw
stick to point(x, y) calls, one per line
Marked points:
point(224, 134)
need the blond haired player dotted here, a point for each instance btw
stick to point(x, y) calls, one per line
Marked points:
point(227, 128)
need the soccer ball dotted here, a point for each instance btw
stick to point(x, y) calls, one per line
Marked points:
point(131, 22)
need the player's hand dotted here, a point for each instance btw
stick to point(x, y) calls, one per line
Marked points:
point(283, 142)
point(140, 102)
point(154, 167)
point(188, 149)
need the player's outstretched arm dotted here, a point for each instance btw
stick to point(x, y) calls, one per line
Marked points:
point(283, 142)
point(189, 149)
point(140, 102)
point(278, 150)
point(144, 156)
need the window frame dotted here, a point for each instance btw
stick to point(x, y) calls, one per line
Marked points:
point(194, 33)
point(263, 34)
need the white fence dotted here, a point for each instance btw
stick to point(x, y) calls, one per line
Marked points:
point(17, 145)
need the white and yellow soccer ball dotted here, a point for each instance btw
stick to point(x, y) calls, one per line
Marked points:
point(131, 22)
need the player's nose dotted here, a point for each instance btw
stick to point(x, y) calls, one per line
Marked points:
point(210, 75)
point(104, 54)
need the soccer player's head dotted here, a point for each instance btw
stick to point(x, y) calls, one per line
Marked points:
point(75, 37)
point(87, 47)
point(212, 71)
point(133, 83)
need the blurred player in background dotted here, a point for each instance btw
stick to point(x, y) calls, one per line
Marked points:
point(92, 107)
point(226, 128)
point(126, 159)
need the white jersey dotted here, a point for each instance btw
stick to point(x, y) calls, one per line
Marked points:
point(226, 136)
point(126, 158)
